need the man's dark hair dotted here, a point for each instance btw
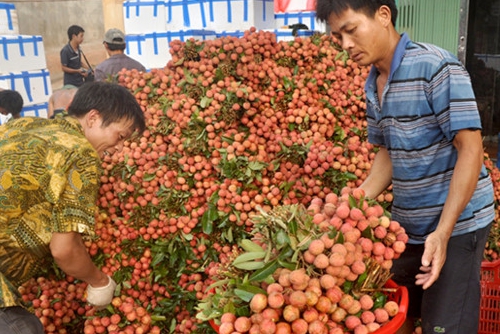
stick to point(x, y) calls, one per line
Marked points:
point(324, 8)
point(74, 30)
point(114, 103)
point(11, 101)
point(114, 47)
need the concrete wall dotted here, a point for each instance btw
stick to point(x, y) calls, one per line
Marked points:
point(51, 19)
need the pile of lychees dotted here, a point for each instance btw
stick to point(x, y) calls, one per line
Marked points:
point(339, 283)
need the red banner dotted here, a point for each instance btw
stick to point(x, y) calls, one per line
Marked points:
point(287, 6)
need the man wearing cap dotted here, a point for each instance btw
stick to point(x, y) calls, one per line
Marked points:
point(114, 42)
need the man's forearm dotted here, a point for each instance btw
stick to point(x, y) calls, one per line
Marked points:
point(380, 176)
point(71, 256)
point(70, 70)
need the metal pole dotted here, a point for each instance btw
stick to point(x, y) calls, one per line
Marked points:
point(462, 30)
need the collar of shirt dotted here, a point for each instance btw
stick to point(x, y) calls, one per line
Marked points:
point(74, 122)
point(73, 50)
point(396, 60)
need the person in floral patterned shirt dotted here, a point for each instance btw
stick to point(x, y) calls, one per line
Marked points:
point(49, 183)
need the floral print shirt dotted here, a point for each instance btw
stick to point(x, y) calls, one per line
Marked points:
point(49, 182)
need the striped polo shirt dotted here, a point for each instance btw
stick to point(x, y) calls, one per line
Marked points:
point(428, 98)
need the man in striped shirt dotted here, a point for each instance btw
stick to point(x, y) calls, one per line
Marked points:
point(422, 115)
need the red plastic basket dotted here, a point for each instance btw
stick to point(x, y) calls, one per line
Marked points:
point(489, 313)
point(400, 296)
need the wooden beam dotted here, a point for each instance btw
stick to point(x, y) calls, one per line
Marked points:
point(113, 14)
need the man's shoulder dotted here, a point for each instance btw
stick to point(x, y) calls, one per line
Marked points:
point(66, 48)
point(138, 65)
point(101, 64)
point(125, 58)
point(430, 50)
point(122, 60)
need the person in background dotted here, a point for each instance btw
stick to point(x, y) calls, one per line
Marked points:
point(11, 103)
point(60, 100)
point(49, 182)
point(114, 43)
point(71, 58)
point(422, 116)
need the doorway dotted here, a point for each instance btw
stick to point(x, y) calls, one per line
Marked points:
point(483, 61)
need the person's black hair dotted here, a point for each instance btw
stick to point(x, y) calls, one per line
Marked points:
point(324, 8)
point(114, 47)
point(113, 102)
point(74, 30)
point(11, 101)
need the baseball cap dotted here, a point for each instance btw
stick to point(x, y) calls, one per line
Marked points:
point(114, 36)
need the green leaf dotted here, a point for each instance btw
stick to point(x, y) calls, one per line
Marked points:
point(205, 101)
point(179, 62)
point(158, 258)
point(149, 177)
point(347, 286)
point(352, 202)
point(253, 265)
point(265, 271)
point(250, 246)
point(208, 218)
point(244, 295)
point(55, 300)
point(248, 256)
point(207, 223)
point(287, 83)
point(172, 326)
point(288, 265)
point(218, 284)
point(227, 140)
point(379, 300)
point(340, 238)
point(256, 165)
point(188, 76)
point(250, 288)
point(228, 308)
point(282, 238)
point(362, 278)
point(368, 233)
point(187, 236)
point(292, 226)
point(295, 255)
point(156, 317)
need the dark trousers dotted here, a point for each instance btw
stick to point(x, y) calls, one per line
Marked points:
point(451, 304)
point(17, 320)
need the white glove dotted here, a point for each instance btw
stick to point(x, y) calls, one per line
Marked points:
point(101, 296)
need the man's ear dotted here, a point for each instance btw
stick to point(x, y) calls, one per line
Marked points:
point(92, 118)
point(384, 15)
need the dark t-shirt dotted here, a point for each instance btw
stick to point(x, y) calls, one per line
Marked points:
point(71, 59)
point(115, 64)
